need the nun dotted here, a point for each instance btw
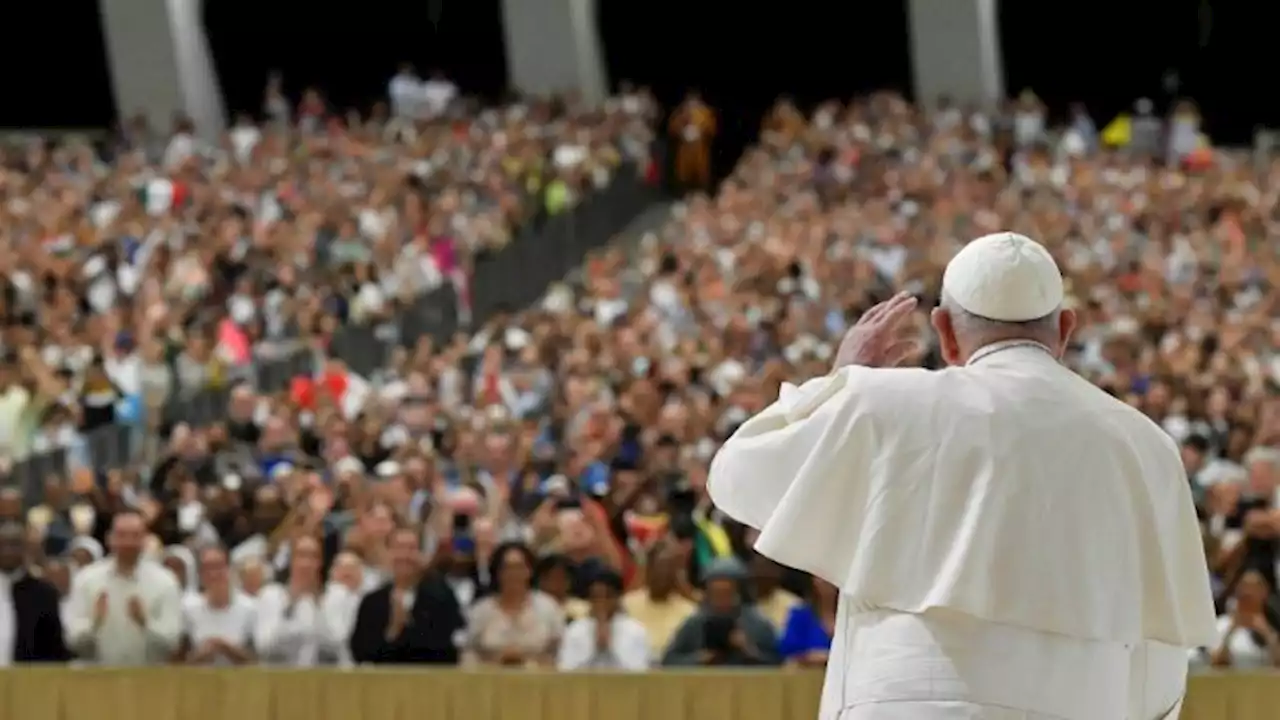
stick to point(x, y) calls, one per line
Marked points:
point(84, 551)
point(1009, 540)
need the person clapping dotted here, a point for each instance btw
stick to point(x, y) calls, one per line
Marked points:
point(220, 620)
point(414, 618)
point(125, 609)
point(1247, 637)
point(606, 638)
point(290, 628)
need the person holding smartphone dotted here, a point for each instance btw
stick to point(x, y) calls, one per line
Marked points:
point(1248, 637)
point(724, 631)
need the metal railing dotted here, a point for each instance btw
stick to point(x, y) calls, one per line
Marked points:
point(518, 275)
point(512, 278)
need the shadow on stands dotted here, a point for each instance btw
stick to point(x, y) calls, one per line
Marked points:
point(514, 277)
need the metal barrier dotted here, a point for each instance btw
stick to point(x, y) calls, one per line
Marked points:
point(514, 277)
point(517, 276)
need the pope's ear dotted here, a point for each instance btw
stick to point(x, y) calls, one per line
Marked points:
point(1067, 323)
point(940, 319)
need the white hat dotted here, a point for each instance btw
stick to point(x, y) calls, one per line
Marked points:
point(1005, 277)
point(348, 464)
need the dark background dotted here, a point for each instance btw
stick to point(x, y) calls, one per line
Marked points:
point(1104, 52)
point(1108, 53)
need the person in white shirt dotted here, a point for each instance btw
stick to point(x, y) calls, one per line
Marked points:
point(341, 600)
point(607, 638)
point(1008, 540)
point(244, 138)
point(219, 621)
point(125, 610)
point(405, 93)
point(251, 576)
point(290, 627)
point(438, 94)
point(1247, 639)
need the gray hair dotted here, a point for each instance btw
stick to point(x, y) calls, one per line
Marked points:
point(1263, 455)
point(985, 330)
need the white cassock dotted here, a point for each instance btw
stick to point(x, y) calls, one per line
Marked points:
point(1009, 541)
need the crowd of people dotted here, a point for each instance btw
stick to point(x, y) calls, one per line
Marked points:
point(532, 494)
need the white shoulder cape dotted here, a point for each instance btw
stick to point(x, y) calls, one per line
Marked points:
point(1013, 491)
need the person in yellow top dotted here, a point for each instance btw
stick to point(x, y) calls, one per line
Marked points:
point(557, 197)
point(660, 605)
point(772, 601)
point(692, 128)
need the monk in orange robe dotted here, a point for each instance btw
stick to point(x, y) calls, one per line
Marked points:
point(692, 127)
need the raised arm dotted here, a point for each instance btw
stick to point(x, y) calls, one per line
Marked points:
point(802, 431)
point(801, 471)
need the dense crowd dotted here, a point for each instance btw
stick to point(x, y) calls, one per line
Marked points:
point(532, 493)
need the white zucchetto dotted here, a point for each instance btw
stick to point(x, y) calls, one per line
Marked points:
point(1005, 277)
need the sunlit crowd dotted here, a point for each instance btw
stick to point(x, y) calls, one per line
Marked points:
point(531, 493)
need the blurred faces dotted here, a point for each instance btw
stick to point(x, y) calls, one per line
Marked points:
point(1262, 477)
point(498, 450)
point(215, 575)
point(514, 572)
point(11, 504)
point(722, 595)
point(13, 546)
point(305, 560)
point(576, 534)
point(347, 571)
point(406, 555)
point(127, 537)
point(376, 524)
point(554, 578)
point(268, 509)
point(603, 597)
point(59, 574)
point(253, 575)
point(1251, 592)
point(663, 569)
point(766, 576)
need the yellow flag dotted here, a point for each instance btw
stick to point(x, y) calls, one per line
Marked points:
point(1118, 132)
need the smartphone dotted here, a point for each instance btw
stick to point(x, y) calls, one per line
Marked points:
point(716, 632)
point(461, 524)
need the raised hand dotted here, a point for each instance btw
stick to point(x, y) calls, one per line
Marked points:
point(877, 340)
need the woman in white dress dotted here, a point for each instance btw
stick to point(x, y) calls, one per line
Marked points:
point(218, 619)
point(1247, 638)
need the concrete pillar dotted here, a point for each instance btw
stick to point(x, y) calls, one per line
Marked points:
point(553, 46)
point(955, 50)
point(160, 62)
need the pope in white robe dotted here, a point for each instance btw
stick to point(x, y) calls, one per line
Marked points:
point(1009, 540)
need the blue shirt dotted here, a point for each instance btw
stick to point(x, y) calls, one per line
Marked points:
point(595, 479)
point(803, 633)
